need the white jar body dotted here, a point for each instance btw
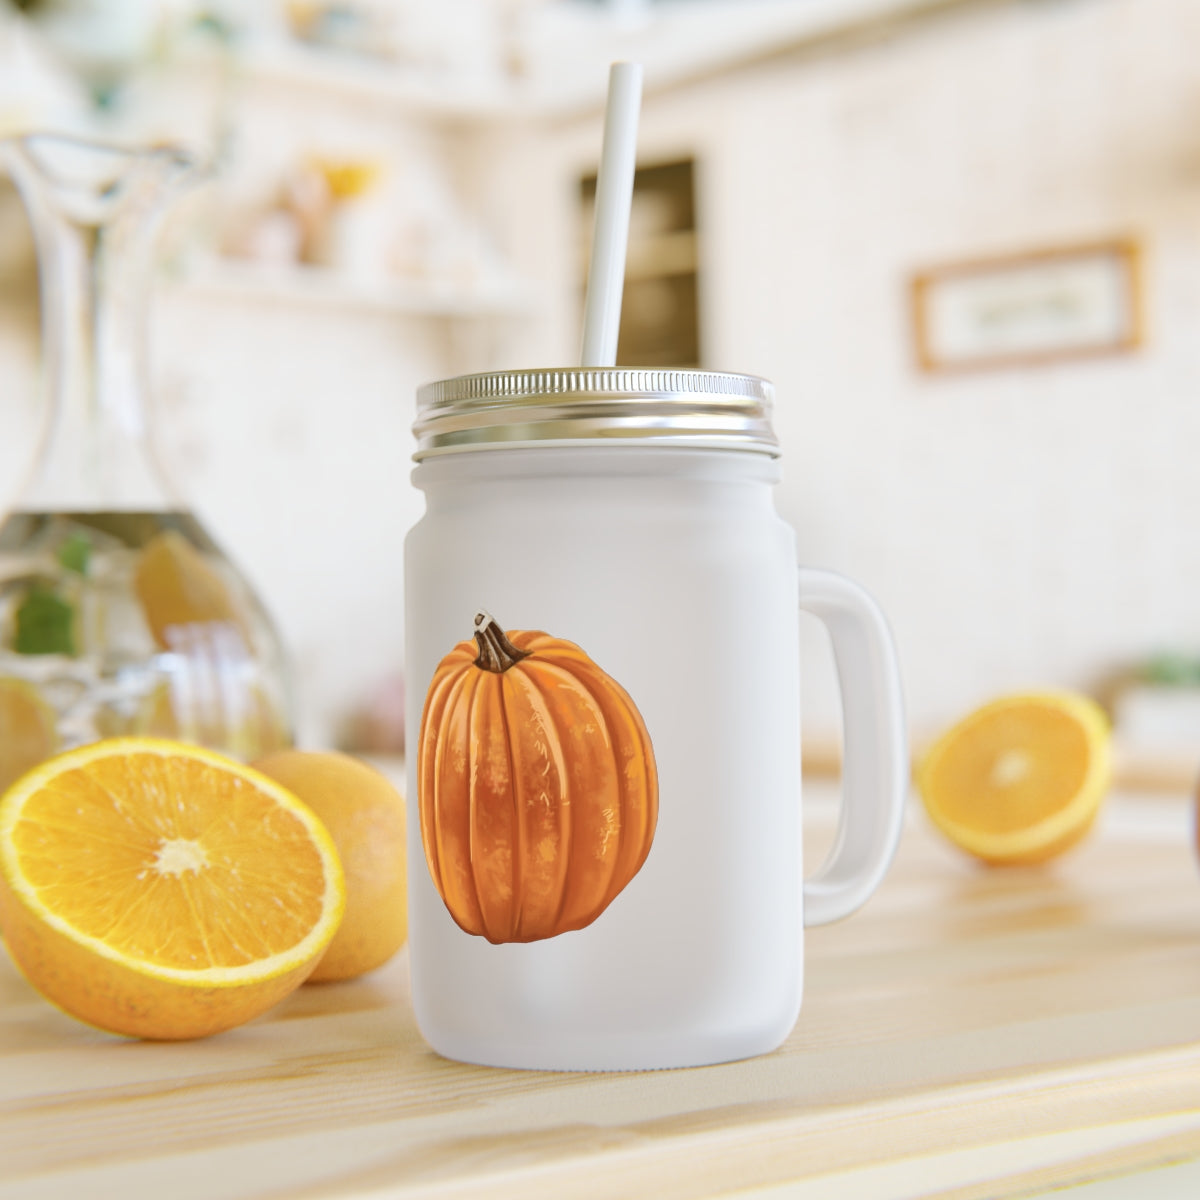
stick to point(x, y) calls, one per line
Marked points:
point(672, 570)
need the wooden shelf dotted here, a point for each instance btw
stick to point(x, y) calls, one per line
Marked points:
point(561, 50)
point(361, 79)
point(677, 43)
point(317, 287)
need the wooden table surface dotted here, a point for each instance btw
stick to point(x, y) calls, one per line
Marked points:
point(970, 1032)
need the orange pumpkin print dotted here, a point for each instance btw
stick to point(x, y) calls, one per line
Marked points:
point(537, 786)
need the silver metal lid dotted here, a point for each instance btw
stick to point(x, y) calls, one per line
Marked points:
point(496, 409)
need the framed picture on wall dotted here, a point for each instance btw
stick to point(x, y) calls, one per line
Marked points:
point(1042, 306)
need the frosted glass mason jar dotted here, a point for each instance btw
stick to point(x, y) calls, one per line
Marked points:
point(604, 737)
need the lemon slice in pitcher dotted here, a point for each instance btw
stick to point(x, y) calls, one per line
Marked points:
point(28, 729)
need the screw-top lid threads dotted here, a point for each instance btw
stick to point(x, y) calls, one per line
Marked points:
point(496, 409)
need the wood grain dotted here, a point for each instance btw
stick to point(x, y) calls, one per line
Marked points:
point(970, 1032)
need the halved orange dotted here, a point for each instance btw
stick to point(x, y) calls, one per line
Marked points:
point(1019, 780)
point(160, 890)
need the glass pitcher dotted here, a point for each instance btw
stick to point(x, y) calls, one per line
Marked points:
point(119, 614)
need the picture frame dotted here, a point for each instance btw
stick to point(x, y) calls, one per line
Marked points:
point(1032, 308)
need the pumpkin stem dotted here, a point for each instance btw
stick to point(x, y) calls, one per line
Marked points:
point(496, 652)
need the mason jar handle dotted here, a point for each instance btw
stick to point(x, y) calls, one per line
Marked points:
point(875, 763)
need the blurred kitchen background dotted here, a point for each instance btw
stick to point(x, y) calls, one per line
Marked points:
point(961, 236)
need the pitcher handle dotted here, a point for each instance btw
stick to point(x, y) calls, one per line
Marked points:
point(875, 769)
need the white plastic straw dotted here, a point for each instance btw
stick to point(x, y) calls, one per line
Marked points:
point(610, 234)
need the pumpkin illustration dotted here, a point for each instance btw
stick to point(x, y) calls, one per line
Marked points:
point(537, 785)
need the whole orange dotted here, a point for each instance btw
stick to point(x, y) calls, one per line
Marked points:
point(365, 817)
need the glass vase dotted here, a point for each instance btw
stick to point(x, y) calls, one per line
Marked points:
point(119, 614)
